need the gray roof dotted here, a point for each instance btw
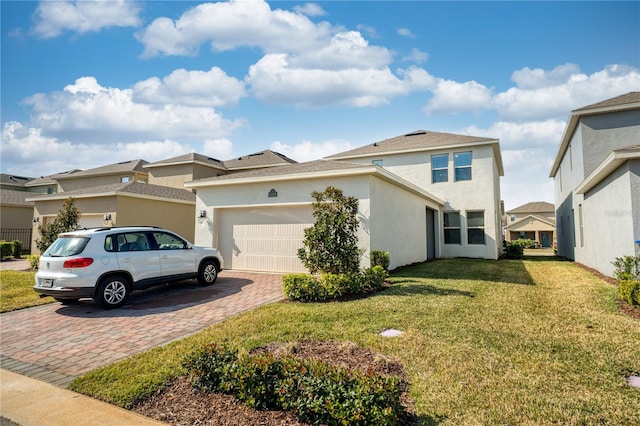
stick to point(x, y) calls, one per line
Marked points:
point(13, 180)
point(629, 98)
point(15, 198)
point(291, 169)
point(189, 158)
point(133, 188)
point(266, 158)
point(122, 167)
point(534, 207)
point(420, 140)
point(51, 179)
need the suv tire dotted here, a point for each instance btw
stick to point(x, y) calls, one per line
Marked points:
point(113, 292)
point(207, 273)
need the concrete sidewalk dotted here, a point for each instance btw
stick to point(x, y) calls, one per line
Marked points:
point(30, 402)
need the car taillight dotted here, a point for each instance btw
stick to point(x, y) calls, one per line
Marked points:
point(81, 262)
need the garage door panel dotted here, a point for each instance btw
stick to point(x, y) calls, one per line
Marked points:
point(264, 239)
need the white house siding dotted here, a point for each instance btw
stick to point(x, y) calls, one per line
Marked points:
point(398, 223)
point(481, 193)
point(608, 210)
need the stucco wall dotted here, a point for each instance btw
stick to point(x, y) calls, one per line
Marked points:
point(608, 225)
point(92, 181)
point(175, 216)
point(16, 216)
point(173, 175)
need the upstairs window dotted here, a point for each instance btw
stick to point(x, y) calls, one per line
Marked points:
point(378, 163)
point(452, 228)
point(440, 168)
point(462, 164)
point(125, 179)
point(475, 227)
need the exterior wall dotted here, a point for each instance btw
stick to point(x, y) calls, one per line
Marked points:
point(398, 224)
point(608, 224)
point(175, 216)
point(172, 175)
point(16, 216)
point(482, 192)
point(634, 183)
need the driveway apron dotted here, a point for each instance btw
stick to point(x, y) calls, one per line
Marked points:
point(57, 343)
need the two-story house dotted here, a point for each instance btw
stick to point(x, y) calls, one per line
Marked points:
point(597, 183)
point(423, 195)
point(534, 221)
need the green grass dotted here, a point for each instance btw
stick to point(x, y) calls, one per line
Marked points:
point(16, 291)
point(529, 342)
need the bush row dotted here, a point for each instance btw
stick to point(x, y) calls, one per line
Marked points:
point(513, 250)
point(315, 392)
point(11, 249)
point(311, 288)
point(630, 291)
point(627, 273)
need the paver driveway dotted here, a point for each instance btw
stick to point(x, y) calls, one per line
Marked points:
point(57, 343)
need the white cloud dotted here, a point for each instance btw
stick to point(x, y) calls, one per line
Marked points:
point(27, 152)
point(451, 97)
point(107, 115)
point(217, 148)
point(51, 18)
point(416, 55)
point(308, 151)
point(228, 25)
point(213, 88)
point(541, 94)
point(512, 135)
point(406, 32)
point(310, 9)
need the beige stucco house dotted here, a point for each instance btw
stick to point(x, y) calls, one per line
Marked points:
point(534, 221)
point(16, 215)
point(423, 195)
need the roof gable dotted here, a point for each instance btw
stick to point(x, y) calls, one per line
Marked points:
point(110, 169)
point(134, 189)
point(266, 158)
point(534, 207)
point(192, 158)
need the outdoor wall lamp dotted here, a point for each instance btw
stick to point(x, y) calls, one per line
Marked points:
point(203, 214)
point(273, 193)
point(35, 220)
point(107, 216)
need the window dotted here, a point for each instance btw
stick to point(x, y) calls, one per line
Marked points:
point(475, 227)
point(440, 168)
point(127, 242)
point(168, 241)
point(378, 163)
point(124, 179)
point(462, 164)
point(513, 218)
point(452, 228)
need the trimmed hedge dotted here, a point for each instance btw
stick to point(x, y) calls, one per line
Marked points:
point(311, 288)
point(315, 392)
point(379, 258)
point(630, 291)
point(514, 250)
point(11, 249)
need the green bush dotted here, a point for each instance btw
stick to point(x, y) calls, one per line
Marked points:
point(627, 268)
point(315, 392)
point(336, 285)
point(33, 261)
point(6, 249)
point(514, 250)
point(630, 291)
point(373, 278)
point(380, 258)
point(17, 249)
point(303, 287)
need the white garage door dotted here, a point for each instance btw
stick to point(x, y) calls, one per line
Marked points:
point(91, 221)
point(263, 238)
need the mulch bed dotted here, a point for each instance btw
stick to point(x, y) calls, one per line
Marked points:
point(180, 404)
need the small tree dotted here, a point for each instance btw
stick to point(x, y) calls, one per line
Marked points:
point(67, 220)
point(331, 244)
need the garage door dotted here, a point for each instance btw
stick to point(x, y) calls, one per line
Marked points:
point(91, 221)
point(263, 239)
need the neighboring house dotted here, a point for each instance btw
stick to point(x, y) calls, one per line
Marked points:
point(532, 221)
point(423, 195)
point(122, 172)
point(47, 184)
point(16, 215)
point(597, 183)
point(13, 182)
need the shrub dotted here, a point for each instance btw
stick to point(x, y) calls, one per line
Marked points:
point(67, 220)
point(380, 258)
point(630, 291)
point(303, 287)
point(336, 285)
point(33, 261)
point(315, 392)
point(627, 268)
point(17, 249)
point(6, 249)
point(373, 278)
point(514, 250)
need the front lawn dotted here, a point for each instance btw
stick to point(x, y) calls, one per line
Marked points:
point(538, 341)
point(16, 291)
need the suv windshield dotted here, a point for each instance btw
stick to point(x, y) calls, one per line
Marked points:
point(67, 246)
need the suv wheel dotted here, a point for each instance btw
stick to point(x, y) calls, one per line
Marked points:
point(208, 273)
point(113, 292)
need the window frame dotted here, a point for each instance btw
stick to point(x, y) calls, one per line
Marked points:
point(475, 227)
point(447, 226)
point(457, 167)
point(435, 170)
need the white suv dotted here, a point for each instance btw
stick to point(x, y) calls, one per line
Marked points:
point(107, 264)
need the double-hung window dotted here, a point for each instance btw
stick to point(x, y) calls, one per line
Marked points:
point(462, 165)
point(452, 228)
point(475, 227)
point(440, 168)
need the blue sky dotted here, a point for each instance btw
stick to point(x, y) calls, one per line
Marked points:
point(87, 83)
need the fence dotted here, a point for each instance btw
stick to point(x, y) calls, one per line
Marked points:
point(21, 234)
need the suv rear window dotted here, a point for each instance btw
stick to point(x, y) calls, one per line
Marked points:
point(67, 246)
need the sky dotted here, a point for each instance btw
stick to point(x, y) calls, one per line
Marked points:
point(90, 83)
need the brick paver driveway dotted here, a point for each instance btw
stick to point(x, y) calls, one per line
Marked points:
point(57, 343)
